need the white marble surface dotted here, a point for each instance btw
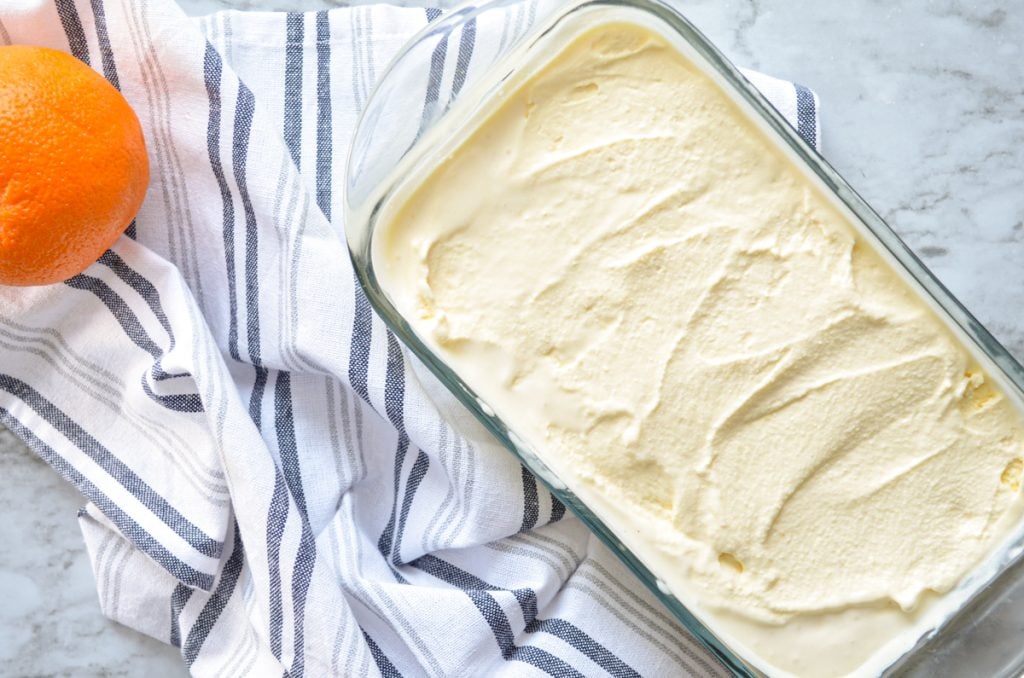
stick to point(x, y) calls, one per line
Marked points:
point(923, 112)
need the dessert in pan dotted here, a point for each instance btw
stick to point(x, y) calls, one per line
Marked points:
point(707, 348)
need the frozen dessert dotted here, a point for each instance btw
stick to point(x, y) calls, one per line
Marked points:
point(672, 315)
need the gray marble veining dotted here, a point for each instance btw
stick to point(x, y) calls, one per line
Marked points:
point(923, 112)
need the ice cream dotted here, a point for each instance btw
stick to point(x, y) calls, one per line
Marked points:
point(668, 311)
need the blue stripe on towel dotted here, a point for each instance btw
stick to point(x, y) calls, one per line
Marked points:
point(557, 509)
point(293, 85)
point(531, 505)
point(245, 111)
point(72, 25)
point(305, 558)
point(114, 467)
point(140, 284)
point(134, 330)
point(179, 598)
point(276, 518)
point(806, 115)
point(103, 38)
point(478, 591)
point(360, 342)
point(502, 630)
point(384, 665)
point(212, 68)
point(466, 43)
point(583, 642)
point(324, 141)
point(177, 402)
point(219, 599)
point(120, 309)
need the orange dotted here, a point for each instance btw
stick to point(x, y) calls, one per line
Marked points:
point(73, 166)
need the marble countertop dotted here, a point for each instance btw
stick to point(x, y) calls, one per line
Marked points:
point(923, 112)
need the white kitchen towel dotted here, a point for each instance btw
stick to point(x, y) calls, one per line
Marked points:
point(274, 486)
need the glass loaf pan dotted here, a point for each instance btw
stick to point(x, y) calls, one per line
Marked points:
point(415, 115)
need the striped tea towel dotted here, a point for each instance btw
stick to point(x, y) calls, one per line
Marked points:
point(273, 485)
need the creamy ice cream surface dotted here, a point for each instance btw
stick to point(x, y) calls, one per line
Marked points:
point(684, 328)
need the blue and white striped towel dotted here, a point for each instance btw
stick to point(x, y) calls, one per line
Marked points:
point(273, 485)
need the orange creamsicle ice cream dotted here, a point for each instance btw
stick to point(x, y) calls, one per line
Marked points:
point(674, 318)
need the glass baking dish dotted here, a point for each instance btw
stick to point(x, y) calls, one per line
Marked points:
point(415, 115)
